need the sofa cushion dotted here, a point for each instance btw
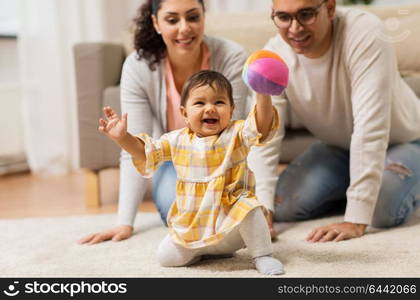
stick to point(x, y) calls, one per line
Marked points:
point(111, 97)
point(251, 30)
point(406, 40)
point(295, 142)
point(402, 24)
point(392, 11)
point(414, 83)
point(111, 152)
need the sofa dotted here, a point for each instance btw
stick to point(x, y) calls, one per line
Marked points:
point(98, 70)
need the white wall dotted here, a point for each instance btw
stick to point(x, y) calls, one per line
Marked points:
point(238, 5)
point(8, 13)
point(118, 16)
point(104, 20)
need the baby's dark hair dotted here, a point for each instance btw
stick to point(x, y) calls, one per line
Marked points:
point(147, 42)
point(213, 79)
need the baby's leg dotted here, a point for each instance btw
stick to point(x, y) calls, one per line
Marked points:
point(256, 235)
point(171, 254)
point(225, 248)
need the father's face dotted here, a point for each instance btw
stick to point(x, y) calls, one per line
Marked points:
point(311, 36)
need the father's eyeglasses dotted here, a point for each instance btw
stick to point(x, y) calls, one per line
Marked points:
point(305, 16)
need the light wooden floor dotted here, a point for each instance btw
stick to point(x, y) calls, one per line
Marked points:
point(24, 195)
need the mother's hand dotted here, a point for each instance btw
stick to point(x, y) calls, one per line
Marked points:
point(336, 232)
point(116, 234)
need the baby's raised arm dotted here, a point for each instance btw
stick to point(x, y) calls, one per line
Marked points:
point(264, 114)
point(267, 74)
point(116, 129)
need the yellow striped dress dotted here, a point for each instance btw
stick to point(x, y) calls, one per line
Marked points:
point(214, 188)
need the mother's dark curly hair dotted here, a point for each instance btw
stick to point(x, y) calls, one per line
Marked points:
point(147, 42)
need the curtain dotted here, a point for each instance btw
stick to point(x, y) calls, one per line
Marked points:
point(49, 29)
point(48, 106)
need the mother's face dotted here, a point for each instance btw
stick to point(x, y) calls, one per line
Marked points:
point(181, 24)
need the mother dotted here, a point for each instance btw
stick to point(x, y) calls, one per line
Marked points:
point(170, 46)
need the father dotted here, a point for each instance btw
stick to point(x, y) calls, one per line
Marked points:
point(345, 88)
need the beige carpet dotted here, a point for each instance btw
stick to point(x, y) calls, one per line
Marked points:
point(47, 248)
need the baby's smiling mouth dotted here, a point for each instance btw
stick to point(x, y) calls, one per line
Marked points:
point(210, 121)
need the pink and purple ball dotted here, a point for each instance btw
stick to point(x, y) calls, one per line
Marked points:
point(266, 73)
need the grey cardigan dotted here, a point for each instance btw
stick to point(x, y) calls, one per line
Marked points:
point(143, 97)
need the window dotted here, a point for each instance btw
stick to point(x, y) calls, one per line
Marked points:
point(8, 18)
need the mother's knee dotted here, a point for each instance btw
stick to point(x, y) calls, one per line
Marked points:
point(163, 192)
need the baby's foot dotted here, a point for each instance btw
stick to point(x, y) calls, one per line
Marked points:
point(268, 265)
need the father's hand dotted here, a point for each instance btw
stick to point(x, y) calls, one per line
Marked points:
point(336, 232)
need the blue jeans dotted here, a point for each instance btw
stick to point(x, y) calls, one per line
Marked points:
point(317, 180)
point(163, 191)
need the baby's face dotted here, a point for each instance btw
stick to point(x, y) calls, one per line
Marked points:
point(207, 111)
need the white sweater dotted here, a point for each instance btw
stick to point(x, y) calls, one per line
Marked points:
point(354, 98)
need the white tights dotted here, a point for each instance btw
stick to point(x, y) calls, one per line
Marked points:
point(253, 233)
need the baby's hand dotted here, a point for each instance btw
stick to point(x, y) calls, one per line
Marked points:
point(113, 127)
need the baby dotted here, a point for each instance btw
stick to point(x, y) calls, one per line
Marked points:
point(215, 211)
